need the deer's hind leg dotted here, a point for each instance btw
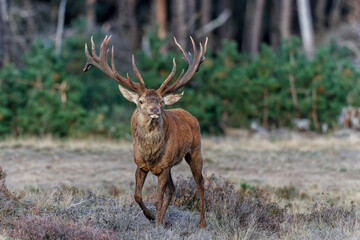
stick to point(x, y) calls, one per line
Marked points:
point(140, 177)
point(195, 161)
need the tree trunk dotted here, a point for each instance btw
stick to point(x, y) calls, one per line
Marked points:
point(205, 12)
point(256, 29)
point(226, 31)
point(60, 26)
point(306, 28)
point(335, 13)
point(127, 23)
point(293, 87)
point(178, 21)
point(190, 21)
point(4, 34)
point(265, 122)
point(205, 18)
point(320, 14)
point(30, 25)
point(275, 37)
point(90, 15)
point(314, 110)
point(253, 24)
point(161, 17)
point(247, 23)
point(285, 18)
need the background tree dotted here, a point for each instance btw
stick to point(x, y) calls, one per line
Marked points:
point(4, 33)
point(161, 12)
point(253, 26)
point(306, 28)
point(178, 21)
point(91, 15)
point(285, 18)
point(242, 81)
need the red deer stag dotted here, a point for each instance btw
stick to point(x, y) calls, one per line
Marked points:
point(162, 138)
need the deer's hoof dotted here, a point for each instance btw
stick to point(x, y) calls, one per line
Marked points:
point(203, 224)
point(149, 216)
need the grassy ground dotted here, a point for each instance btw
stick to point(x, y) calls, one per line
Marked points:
point(293, 187)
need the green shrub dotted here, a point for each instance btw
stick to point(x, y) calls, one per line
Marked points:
point(51, 95)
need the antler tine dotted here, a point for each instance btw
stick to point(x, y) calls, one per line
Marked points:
point(126, 81)
point(194, 46)
point(205, 45)
point(201, 56)
point(94, 55)
point(182, 72)
point(101, 63)
point(182, 50)
point(168, 79)
point(113, 62)
point(131, 82)
point(103, 51)
point(87, 65)
point(193, 62)
point(137, 73)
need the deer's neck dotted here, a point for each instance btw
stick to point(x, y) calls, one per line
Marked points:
point(149, 136)
point(148, 126)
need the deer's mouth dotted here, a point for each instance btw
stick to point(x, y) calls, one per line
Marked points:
point(154, 116)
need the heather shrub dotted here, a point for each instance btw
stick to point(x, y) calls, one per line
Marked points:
point(326, 211)
point(10, 205)
point(7, 199)
point(4, 192)
point(6, 202)
point(66, 212)
point(49, 227)
point(287, 192)
point(228, 206)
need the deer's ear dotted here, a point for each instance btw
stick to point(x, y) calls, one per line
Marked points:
point(129, 95)
point(172, 98)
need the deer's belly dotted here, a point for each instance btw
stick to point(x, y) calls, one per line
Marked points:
point(156, 160)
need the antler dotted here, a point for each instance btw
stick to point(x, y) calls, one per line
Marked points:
point(101, 63)
point(193, 62)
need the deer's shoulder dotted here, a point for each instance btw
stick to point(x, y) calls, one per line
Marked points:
point(179, 114)
point(182, 118)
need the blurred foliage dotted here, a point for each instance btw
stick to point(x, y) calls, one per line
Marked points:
point(51, 95)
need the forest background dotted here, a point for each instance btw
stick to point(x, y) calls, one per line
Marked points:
point(268, 62)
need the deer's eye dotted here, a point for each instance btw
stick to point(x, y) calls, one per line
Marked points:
point(140, 101)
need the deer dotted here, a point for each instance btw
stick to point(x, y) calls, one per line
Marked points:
point(162, 138)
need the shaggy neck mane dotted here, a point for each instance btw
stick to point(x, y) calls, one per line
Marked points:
point(149, 135)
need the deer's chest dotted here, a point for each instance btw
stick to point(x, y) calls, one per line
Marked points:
point(149, 148)
point(151, 152)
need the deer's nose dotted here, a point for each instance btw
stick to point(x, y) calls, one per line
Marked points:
point(155, 110)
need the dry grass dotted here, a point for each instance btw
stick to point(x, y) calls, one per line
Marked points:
point(279, 188)
point(70, 213)
point(311, 164)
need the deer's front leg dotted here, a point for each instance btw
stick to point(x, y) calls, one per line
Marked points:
point(140, 177)
point(162, 182)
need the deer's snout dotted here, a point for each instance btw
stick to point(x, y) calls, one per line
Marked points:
point(155, 110)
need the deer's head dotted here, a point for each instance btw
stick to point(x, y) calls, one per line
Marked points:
point(150, 102)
